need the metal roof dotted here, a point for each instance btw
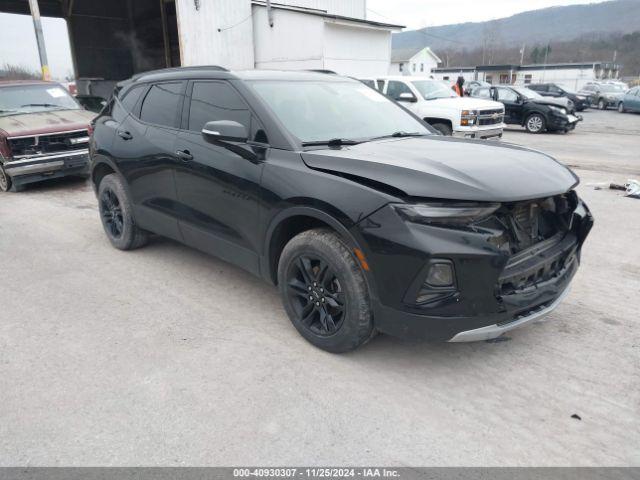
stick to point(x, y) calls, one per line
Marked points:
point(325, 14)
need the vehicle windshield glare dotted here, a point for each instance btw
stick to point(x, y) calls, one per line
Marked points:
point(527, 93)
point(16, 99)
point(316, 111)
point(432, 90)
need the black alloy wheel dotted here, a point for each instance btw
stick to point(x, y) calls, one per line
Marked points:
point(111, 213)
point(324, 291)
point(316, 294)
point(116, 214)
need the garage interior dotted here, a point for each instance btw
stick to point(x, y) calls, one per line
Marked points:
point(112, 40)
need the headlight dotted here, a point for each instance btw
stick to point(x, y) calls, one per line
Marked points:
point(558, 109)
point(446, 213)
point(468, 118)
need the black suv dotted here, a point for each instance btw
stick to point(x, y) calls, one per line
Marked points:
point(364, 217)
point(531, 110)
point(555, 90)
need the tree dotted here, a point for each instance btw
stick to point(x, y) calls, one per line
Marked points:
point(18, 72)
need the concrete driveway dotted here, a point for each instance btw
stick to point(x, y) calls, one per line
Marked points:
point(165, 356)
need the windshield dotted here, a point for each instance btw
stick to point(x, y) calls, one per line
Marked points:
point(317, 111)
point(527, 93)
point(431, 90)
point(17, 99)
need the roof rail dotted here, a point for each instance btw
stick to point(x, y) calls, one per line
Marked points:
point(180, 69)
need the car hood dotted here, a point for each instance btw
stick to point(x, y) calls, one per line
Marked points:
point(465, 103)
point(559, 102)
point(448, 168)
point(44, 122)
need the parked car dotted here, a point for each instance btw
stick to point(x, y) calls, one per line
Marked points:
point(603, 95)
point(44, 133)
point(529, 109)
point(557, 90)
point(631, 101)
point(364, 218)
point(440, 107)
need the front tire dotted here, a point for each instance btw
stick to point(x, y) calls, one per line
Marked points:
point(116, 214)
point(621, 108)
point(5, 181)
point(324, 292)
point(535, 123)
point(602, 105)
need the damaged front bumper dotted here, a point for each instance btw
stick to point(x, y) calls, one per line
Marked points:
point(493, 291)
point(36, 168)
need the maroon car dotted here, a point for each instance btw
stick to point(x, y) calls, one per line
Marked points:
point(44, 133)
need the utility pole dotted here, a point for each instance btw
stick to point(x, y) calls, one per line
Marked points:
point(42, 52)
point(522, 54)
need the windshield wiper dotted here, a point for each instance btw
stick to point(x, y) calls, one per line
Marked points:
point(399, 135)
point(41, 105)
point(334, 142)
point(7, 111)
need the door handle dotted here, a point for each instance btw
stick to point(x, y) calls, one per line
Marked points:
point(184, 155)
point(124, 135)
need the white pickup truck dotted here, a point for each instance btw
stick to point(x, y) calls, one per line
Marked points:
point(439, 106)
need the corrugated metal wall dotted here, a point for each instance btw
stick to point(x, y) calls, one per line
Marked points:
point(219, 32)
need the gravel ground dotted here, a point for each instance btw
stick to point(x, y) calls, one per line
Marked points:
point(165, 356)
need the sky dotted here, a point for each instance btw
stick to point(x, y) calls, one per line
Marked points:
point(430, 13)
point(18, 43)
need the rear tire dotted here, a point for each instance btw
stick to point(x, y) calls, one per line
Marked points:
point(535, 123)
point(116, 214)
point(602, 105)
point(443, 128)
point(324, 292)
point(5, 181)
point(621, 107)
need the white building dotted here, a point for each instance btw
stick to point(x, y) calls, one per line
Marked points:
point(413, 61)
point(312, 34)
point(573, 75)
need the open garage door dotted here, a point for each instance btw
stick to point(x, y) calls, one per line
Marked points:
point(113, 40)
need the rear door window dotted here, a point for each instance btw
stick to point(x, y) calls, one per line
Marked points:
point(160, 106)
point(507, 95)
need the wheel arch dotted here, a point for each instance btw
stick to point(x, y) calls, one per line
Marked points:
point(526, 116)
point(101, 167)
point(432, 120)
point(289, 223)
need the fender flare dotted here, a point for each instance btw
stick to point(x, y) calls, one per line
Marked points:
point(266, 269)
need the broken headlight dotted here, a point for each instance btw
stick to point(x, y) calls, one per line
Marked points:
point(446, 213)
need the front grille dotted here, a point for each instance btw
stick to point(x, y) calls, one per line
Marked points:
point(48, 144)
point(490, 117)
point(540, 241)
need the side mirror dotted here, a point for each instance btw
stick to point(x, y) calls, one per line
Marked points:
point(407, 97)
point(225, 131)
